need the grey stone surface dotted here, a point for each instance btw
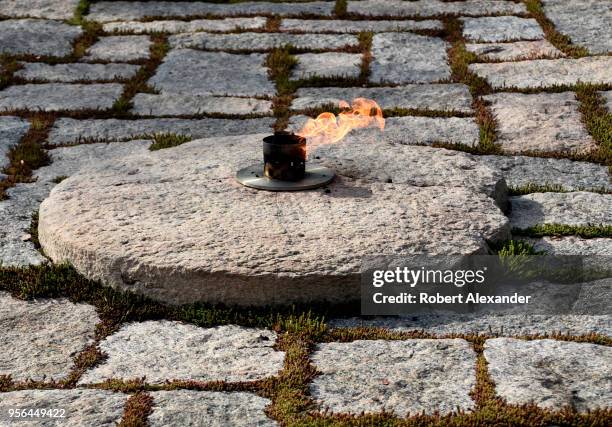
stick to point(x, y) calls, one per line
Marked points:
point(183, 104)
point(12, 129)
point(492, 323)
point(408, 58)
point(416, 130)
point(107, 11)
point(346, 26)
point(83, 407)
point(66, 73)
point(551, 374)
point(521, 170)
point(446, 192)
point(587, 22)
point(164, 350)
point(213, 73)
point(16, 249)
point(119, 49)
point(579, 208)
point(262, 41)
point(173, 27)
point(501, 28)
point(71, 131)
point(546, 72)
point(183, 408)
point(48, 9)
point(433, 7)
point(59, 97)
point(543, 122)
point(571, 245)
point(329, 64)
point(37, 37)
point(40, 338)
point(445, 97)
point(514, 51)
point(403, 377)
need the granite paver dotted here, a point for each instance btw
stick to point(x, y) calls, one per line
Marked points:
point(119, 49)
point(37, 37)
point(66, 73)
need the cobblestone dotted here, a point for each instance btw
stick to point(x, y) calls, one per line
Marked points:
point(408, 58)
point(66, 73)
point(501, 28)
point(37, 37)
point(119, 49)
point(515, 51)
point(163, 350)
point(182, 104)
point(327, 65)
point(424, 8)
point(48, 9)
point(173, 27)
point(39, 339)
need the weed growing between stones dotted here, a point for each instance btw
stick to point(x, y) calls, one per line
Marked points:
point(365, 45)
point(560, 41)
point(280, 62)
point(82, 9)
point(514, 248)
point(597, 119)
point(138, 83)
point(532, 187)
point(558, 230)
point(167, 140)
point(28, 155)
point(138, 407)
point(340, 9)
point(8, 67)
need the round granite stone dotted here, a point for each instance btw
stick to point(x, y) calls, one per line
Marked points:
point(175, 225)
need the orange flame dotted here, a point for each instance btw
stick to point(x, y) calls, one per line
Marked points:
point(328, 129)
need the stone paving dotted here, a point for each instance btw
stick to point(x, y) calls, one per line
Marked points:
point(109, 204)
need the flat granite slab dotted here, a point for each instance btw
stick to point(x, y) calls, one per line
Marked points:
point(182, 236)
point(173, 27)
point(403, 377)
point(108, 11)
point(66, 73)
point(521, 50)
point(424, 8)
point(180, 408)
point(346, 26)
point(40, 339)
point(551, 374)
point(163, 351)
point(37, 37)
point(48, 9)
point(101, 408)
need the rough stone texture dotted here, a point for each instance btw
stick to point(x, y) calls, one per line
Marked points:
point(403, 377)
point(213, 73)
point(119, 48)
point(16, 249)
point(408, 58)
point(503, 324)
point(579, 208)
point(587, 22)
point(446, 97)
point(546, 72)
point(416, 130)
point(108, 11)
point(173, 27)
point(183, 408)
point(544, 122)
point(60, 96)
point(330, 64)
point(12, 129)
point(501, 28)
point(83, 407)
point(49, 9)
point(183, 104)
point(433, 7)
point(164, 350)
point(514, 51)
point(346, 26)
point(552, 374)
point(572, 176)
point(75, 72)
point(39, 339)
point(173, 243)
point(607, 95)
point(571, 245)
point(71, 131)
point(262, 41)
point(37, 37)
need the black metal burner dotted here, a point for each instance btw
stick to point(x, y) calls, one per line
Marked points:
point(284, 167)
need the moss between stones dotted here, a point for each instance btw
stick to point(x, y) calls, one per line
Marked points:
point(167, 140)
point(584, 231)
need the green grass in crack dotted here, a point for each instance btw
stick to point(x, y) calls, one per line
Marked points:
point(597, 119)
point(81, 9)
point(340, 8)
point(280, 62)
point(167, 140)
point(584, 231)
point(514, 248)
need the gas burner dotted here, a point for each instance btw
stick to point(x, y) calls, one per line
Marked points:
point(284, 167)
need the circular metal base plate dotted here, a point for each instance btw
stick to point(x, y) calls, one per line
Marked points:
point(316, 176)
